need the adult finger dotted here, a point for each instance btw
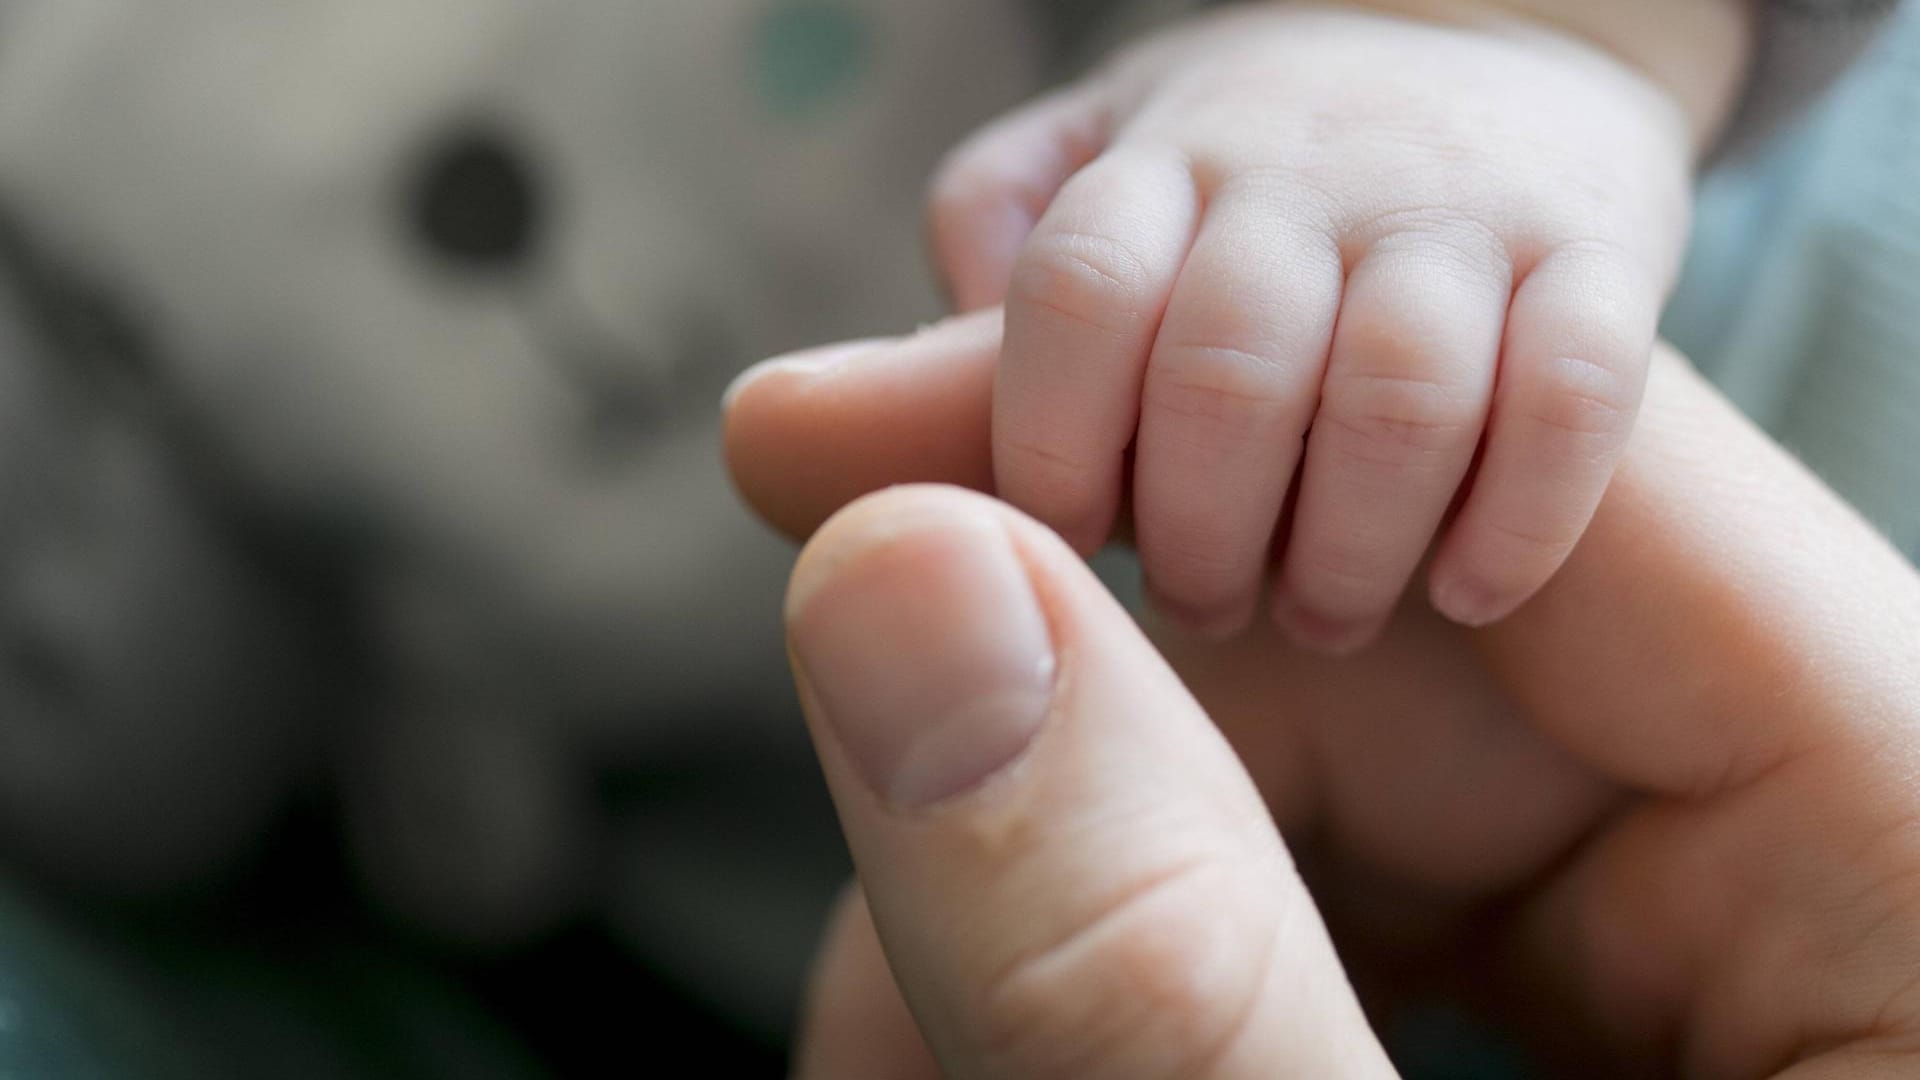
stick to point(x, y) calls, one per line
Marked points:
point(1070, 872)
point(807, 434)
point(854, 1025)
point(1724, 610)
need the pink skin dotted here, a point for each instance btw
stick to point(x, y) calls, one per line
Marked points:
point(1333, 256)
point(1662, 820)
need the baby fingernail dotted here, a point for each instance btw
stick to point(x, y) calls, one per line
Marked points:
point(1321, 634)
point(1468, 604)
point(1209, 623)
point(924, 650)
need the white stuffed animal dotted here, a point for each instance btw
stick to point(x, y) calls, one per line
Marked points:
point(358, 426)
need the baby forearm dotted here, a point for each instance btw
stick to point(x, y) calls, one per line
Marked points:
point(1694, 50)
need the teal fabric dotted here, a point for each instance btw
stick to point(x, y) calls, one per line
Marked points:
point(810, 54)
point(1802, 295)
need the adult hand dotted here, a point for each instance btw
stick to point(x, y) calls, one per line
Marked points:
point(1662, 820)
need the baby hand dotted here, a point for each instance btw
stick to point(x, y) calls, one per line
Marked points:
point(1313, 285)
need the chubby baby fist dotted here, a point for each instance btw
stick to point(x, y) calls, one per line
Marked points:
point(1314, 287)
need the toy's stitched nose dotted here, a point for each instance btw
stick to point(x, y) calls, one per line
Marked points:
point(477, 203)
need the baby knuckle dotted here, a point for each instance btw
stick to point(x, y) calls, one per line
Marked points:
point(1610, 273)
point(1426, 330)
point(1467, 251)
point(1606, 300)
point(1449, 243)
point(1083, 278)
point(1393, 437)
point(1398, 417)
point(1048, 475)
point(1582, 400)
point(1238, 395)
point(1513, 544)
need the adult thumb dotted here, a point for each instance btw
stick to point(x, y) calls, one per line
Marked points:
point(1070, 872)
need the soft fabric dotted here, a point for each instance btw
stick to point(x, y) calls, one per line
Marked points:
point(1800, 48)
point(358, 400)
point(1802, 298)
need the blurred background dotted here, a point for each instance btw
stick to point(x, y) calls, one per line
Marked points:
point(390, 684)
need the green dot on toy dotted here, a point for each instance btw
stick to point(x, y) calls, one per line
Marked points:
point(809, 54)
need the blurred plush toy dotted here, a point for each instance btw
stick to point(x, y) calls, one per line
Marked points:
point(359, 367)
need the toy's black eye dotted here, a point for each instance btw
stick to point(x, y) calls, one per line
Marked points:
point(477, 202)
